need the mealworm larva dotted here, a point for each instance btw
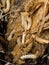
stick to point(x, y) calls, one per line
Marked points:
point(29, 56)
point(40, 40)
point(26, 20)
point(7, 7)
point(10, 36)
point(23, 17)
point(23, 37)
